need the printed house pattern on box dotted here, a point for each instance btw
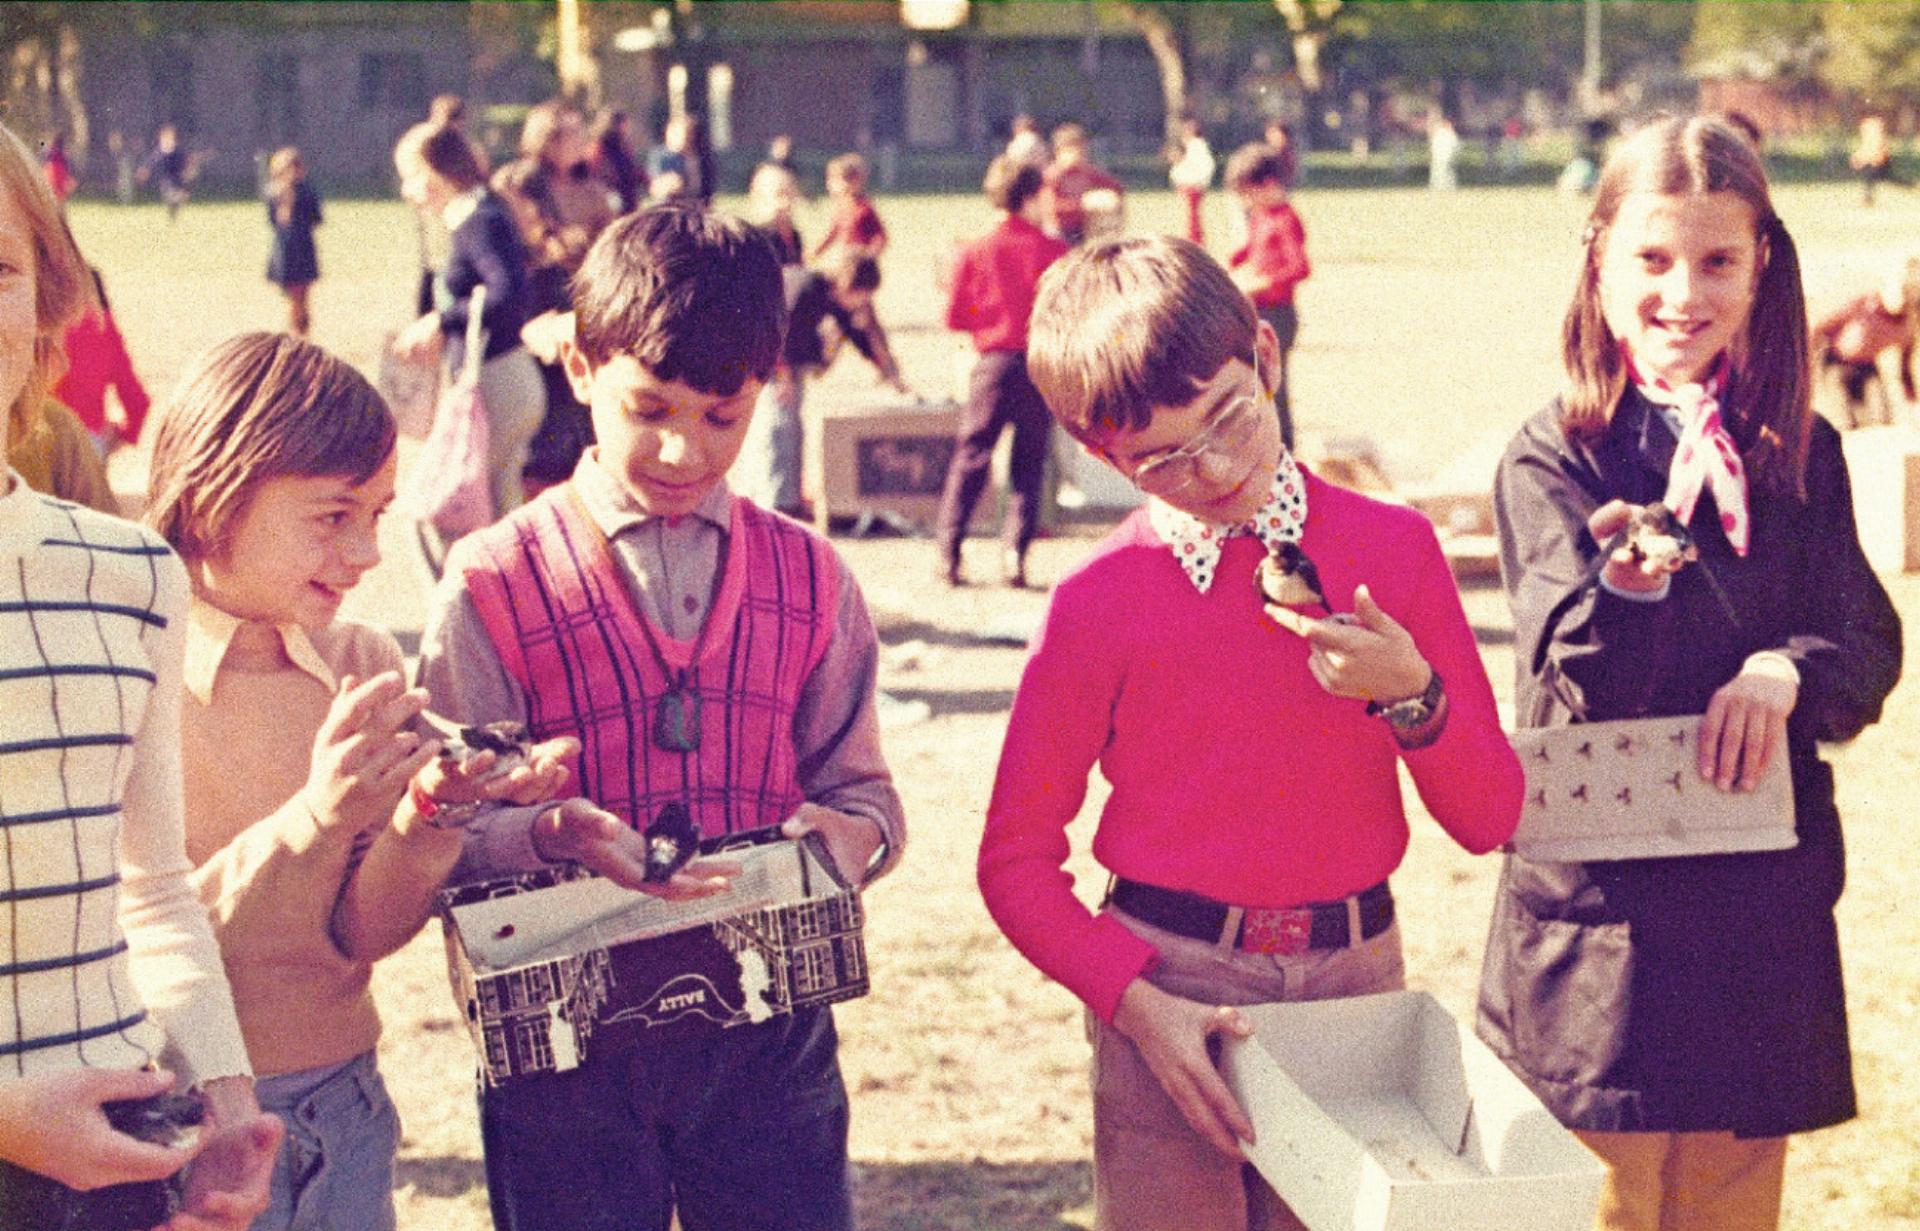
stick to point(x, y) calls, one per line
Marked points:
point(544, 1016)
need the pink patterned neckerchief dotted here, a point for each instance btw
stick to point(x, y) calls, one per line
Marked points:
point(1197, 544)
point(1706, 456)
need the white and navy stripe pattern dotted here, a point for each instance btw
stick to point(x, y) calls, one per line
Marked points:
point(82, 598)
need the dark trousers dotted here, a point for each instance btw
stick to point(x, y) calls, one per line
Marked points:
point(743, 1129)
point(999, 395)
point(1285, 320)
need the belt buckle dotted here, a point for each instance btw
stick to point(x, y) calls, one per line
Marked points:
point(1284, 930)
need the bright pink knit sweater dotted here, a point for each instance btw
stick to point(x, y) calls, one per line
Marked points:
point(1234, 774)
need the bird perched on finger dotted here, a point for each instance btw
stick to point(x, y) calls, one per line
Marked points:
point(1656, 537)
point(1288, 578)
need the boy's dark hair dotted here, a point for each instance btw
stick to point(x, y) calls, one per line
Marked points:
point(256, 407)
point(1009, 185)
point(1769, 412)
point(693, 296)
point(1254, 164)
point(1121, 327)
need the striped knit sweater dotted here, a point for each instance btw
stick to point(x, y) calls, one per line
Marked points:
point(105, 950)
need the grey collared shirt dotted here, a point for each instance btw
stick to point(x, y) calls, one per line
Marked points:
point(670, 566)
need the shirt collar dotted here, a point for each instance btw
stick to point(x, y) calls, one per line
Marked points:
point(1197, 544)
point(461, 208)
point(614, 509)
point(210, 634)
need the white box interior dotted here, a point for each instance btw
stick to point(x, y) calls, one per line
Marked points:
point(1381, 1113)
point(579, 916)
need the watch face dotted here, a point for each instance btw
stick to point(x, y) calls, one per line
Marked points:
point(1409, 713)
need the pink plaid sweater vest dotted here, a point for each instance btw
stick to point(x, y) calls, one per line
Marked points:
point(548, 588)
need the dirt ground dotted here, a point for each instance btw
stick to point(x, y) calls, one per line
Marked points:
point(1429, 329)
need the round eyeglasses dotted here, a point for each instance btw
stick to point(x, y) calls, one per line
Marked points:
point(1224, 434)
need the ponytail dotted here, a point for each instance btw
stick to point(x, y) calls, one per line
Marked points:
point(1770, 411)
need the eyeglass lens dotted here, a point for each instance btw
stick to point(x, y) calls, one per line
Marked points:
point(1228, 433)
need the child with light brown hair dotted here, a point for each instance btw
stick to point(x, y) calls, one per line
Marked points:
point(321, 823)
point(1685, 1016)
point(1253, 739)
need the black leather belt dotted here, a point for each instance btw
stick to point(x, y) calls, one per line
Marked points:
point(1285, 929)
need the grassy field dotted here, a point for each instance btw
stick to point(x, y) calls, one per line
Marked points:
point(1428, 328)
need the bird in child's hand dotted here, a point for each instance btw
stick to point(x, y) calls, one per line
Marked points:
point(1656, 539)
point(1288, 578)
point(672, 841)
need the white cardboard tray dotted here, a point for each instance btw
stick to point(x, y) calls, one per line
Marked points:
point(1381, 1113)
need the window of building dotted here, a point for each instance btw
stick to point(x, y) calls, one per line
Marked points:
point(393, 81)
point(276, 99)
point(809, 921)
point(813, 969)
point(535, 1048)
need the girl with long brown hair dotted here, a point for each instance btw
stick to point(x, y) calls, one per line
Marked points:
point(1684, 1015)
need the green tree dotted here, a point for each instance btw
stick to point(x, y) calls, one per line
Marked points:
point(1872, 51)
point(1765, 41)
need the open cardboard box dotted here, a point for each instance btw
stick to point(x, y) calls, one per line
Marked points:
point(1381, 1113)
point(552, 963)
point(1630, 789)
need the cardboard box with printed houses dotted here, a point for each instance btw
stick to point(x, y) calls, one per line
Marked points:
point(555, 964)
point(1382, 1113)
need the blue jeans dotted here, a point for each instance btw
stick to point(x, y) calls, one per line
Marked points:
point(335, 1170)
point(744, 1129)
point(768, 469)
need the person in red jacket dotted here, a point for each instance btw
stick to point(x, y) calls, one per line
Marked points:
point(1274, 259)
point(97, 361)
point(1253, 749)
point(993, 285)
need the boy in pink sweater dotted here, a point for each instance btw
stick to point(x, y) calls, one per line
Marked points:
point(1252, 744)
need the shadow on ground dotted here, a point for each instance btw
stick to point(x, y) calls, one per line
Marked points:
point(439, 1175)
point(970, 1196)
point(958, 700)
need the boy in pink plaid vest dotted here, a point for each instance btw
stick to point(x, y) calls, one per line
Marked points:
point(705, 652)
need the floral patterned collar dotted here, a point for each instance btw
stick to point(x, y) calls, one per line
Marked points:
point(1197, 544)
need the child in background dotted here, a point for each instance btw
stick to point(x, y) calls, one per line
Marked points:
point(1872, 157)
point(993, 286)
point(1192, 174)
point(1683, 1016)
point(1852, 337)
point(272, 465)
point(772, 195)
point(1070, 178)
point(98, 363)
point(1253, 747)
point(109, 961)
point(662, 588)
point(1274, 259)
point(293, 209)
point(769, 470)
point(853, 225)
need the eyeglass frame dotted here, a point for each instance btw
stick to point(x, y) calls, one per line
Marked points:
point(1199, 445)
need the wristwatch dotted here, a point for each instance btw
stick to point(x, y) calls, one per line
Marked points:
point(1414, 712)
point(441, 815)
